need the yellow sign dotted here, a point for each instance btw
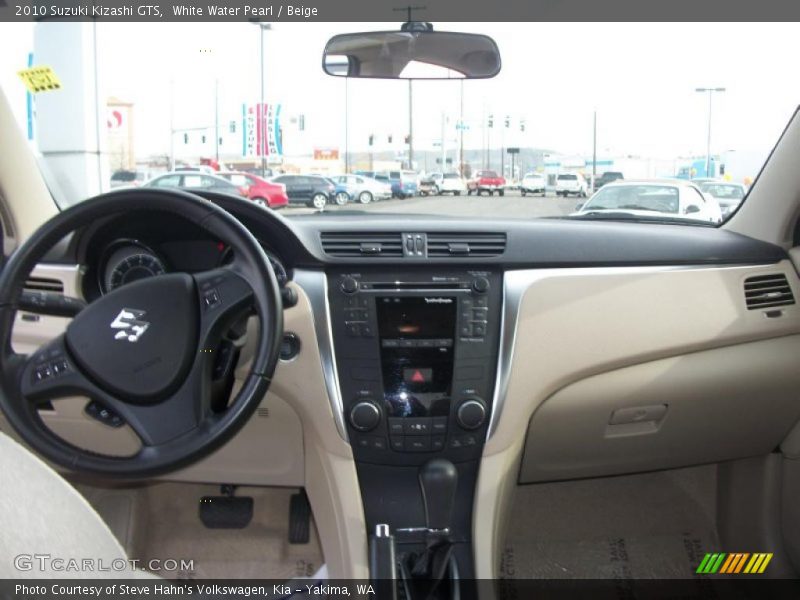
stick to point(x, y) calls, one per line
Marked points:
point(40, 79)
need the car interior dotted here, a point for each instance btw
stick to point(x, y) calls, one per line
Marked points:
point(414, 399)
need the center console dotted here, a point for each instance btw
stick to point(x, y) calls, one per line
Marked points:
point(416, 355)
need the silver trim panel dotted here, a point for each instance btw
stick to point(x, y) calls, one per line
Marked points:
point(315, 285)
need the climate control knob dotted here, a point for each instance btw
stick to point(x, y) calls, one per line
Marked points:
point(365, 416)
point(471, 414)
point(480, 285)
point(349, 285)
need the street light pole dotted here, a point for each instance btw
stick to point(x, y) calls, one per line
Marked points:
point(410, 127)
point(261, 28)
point(346, 126)
point(594, 148)
point(710, 92)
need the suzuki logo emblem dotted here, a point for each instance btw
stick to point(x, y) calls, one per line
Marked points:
point(130, 325)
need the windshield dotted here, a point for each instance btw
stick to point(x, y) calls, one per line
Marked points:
point(663, 199)
point(224, 97)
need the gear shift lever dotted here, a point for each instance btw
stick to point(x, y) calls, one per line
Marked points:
point(438, 479)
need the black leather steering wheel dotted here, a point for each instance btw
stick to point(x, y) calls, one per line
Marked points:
point(146, 349)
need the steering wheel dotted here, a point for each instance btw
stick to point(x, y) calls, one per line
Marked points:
point(145, 350)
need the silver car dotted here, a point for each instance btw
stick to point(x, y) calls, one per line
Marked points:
point(363, 189)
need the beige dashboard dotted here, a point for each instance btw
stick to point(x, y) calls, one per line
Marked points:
point(578, 346)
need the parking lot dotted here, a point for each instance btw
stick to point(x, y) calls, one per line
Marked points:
point(512, 205)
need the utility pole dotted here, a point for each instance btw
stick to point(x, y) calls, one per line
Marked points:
point(594, 148)
point(461, 133)
point(346, 127)
point(710, 92)
point(444, 148)
point(410, 123)
point(216, 120)
point(261, 150)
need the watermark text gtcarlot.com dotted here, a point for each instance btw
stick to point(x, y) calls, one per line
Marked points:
point(50, 563)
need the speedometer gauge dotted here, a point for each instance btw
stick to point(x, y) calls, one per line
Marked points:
point(129, 264)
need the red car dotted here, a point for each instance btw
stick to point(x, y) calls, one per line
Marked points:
point(259, 190)
point(486, 181)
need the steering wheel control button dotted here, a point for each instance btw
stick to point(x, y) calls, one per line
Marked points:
point(211, 299)
point(471, 414)
point(365, 416)
point(105, 415)
point(42, 373)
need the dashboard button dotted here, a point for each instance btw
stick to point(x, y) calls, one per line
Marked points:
point(397, 443)
point(439, 425)
point(378, 443)
point(437, 442)
point(417, 426)
point(353, 329)
point(418, 444)
point(396, 426)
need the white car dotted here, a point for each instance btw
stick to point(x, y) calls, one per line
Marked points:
point(533, 183)
point(727, 194)
point(673, 198)
point(448, 183)
point(362, 189)
point(571, 184)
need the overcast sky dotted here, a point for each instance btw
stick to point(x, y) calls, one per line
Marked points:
point(639, 77)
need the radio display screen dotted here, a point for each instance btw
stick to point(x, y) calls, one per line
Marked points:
point(416, 340)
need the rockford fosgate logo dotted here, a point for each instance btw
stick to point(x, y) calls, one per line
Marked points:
point(438, 300)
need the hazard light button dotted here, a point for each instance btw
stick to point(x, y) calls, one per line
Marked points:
point(417, 375)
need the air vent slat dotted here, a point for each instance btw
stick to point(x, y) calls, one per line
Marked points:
point(764, 291)
point(457, 245)
point(44, 284)
point(350, 244)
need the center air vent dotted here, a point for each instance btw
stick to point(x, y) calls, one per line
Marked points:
point(473, 245)
point(362, 244)
point(44, 284)
point(764, 291)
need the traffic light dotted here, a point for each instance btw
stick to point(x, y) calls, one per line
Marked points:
point(371, 139)
point(301, 123)
point(408, 139)
point(185, 138)
point(522, 126)
point(491, 121)
point(508, 121)
point(203, 139)
point(390, 139)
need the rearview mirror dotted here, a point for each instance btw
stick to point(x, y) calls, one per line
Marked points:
point(411, 54)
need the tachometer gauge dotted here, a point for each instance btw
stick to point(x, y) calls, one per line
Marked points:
point(128, 264)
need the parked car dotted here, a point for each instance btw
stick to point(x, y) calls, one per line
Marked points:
point(533, 183)
point(363, 189)
point(196, 169)
point(448, 183)
point(404, 183)
point(571, 184)
point(127, 178)
point(671, 198)
point(312, 190)
point(486, 181)
point(607, 177)
point(196, 181)
point(727, 194)
point(260, 191)
point(427, 187)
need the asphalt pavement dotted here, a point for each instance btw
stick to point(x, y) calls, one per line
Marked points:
point(512, 205)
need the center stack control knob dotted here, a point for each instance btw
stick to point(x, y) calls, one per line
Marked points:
point(365, 415)
point(480, 285)
point(349, 285)
point(471, 413)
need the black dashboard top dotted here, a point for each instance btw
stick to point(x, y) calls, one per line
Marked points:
point(537, 243)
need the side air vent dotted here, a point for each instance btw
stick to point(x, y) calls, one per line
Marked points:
point(44, 284)
point(473, 245)
point(385, 245)
point(764, 291)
